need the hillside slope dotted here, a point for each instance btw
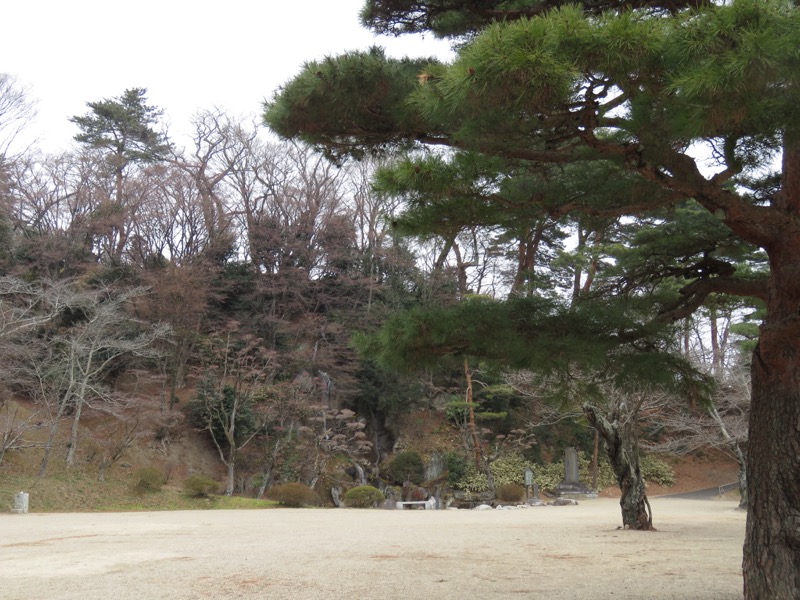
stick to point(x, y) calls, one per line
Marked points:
point(190, 453)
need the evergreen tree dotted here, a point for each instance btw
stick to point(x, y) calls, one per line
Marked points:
point(450, 196)
point(456, 18)
point(124, 129)
point(643, 87)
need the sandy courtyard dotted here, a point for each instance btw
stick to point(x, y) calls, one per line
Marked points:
point(553, 553)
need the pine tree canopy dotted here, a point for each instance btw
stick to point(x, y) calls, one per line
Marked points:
point(697, 100)
point(455, 18)
point(125, 127)
point(565, 86)
point(609, 346)
point(564, 100)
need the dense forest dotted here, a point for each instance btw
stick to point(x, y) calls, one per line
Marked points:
point(584, 223)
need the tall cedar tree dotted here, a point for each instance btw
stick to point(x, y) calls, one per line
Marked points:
point(645, 87)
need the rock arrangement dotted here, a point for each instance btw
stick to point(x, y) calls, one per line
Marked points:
point(533, 503)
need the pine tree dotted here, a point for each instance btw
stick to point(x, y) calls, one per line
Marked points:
point(124, 129)
point(644, 87)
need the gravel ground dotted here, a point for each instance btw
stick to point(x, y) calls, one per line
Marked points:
point(554, 553)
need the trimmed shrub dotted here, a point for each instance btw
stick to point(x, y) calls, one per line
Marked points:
point(510, 492)
point(407, 466)
point(293, 494)
point(363, 496)
point(199, 486)
point(148, 480)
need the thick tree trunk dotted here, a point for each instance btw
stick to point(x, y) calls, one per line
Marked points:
point(772, 540)
point(623, 454)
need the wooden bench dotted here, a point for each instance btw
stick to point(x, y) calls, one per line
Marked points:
point(400, 505)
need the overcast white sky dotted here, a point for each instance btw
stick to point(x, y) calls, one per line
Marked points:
point(190, 55)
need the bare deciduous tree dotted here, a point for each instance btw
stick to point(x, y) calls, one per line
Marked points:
point(237, 367)
point(14, 427)
point(282, 408)
point(722, 423)
point(68, 367)
point(17, 110)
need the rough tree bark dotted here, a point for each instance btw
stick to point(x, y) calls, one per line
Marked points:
point(623, 454)
point(772, 542)
point(772, 539)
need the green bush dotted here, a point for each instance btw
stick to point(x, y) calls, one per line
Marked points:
point(657, 471)
point(473, 481)
point(148, 480)
point(510, 492)
point(548, 476)
point(457, 412)
point(456, 466)
point(505, 470)
point(364, 496)
point(509, 469)
point(200, 486)
point(293, 494)
point(605, 474)
point(407, 466)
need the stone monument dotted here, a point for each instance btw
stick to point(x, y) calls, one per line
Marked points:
point(572, 487)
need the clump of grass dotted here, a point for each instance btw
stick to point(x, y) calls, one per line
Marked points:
point(294, 495)
point(148, 480)
point(200, 486)
point(510, 492)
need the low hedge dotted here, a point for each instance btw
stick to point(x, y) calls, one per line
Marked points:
point(363, 496)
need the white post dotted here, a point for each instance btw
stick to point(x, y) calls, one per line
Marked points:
point(21, 500)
